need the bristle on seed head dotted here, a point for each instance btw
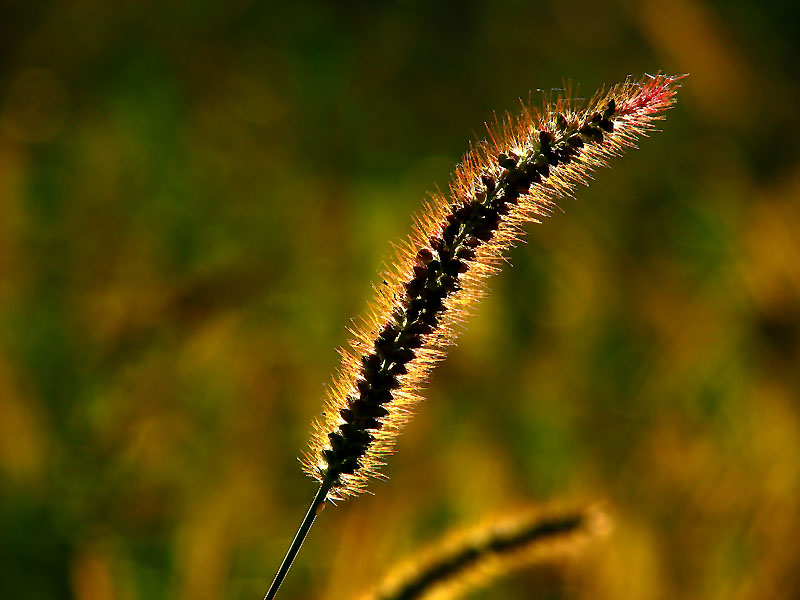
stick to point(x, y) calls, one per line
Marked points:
point(515, 176)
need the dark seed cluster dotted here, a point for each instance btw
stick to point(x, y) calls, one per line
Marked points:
point(436, 278)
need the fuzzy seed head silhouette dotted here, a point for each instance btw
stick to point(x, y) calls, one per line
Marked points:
point(468, 559)
point(515, 176)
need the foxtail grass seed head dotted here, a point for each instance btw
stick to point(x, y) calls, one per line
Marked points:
point(515, 176)
point(470, 559)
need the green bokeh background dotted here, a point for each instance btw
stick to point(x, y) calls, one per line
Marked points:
point(195, 197)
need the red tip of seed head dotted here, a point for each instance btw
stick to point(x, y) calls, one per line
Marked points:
point(656, 94)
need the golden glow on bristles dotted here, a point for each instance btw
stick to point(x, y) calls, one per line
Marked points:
point(638, 105)
point(472, 558)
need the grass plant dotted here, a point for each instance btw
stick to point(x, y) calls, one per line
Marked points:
point(472, 558)
point(517, 175)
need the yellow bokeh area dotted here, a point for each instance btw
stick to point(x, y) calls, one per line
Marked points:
point(195, 198)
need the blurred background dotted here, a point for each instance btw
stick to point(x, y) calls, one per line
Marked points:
point(195, 198)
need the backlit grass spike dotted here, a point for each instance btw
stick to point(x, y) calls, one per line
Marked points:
point(526, 164)
point(516, 176)
point(469, 559)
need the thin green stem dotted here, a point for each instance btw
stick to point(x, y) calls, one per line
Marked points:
point(299, 537)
